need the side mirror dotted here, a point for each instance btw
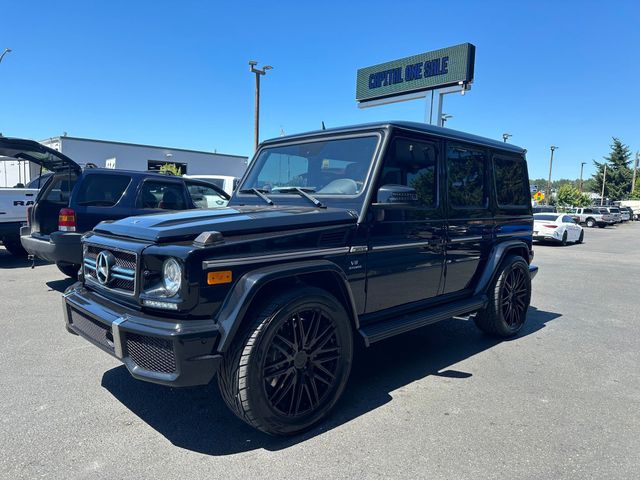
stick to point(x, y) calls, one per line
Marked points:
point(398, 196)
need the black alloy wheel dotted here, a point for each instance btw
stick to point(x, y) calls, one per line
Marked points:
point(301, 364)
point(509, 297)
point(290, 366)
point(514, 297)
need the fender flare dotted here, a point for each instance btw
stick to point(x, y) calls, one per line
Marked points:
point(498, 253)
point(237, 301)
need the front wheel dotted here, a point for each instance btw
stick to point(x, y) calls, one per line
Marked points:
point(69, 269)
point(509, 299)
point(591, 222)
point(564, 239)
point(290, 366)
point(581, 237)
point(14, 247)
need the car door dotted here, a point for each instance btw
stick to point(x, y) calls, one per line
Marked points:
point(572, 229)
point(404, 263)
point(470, 220)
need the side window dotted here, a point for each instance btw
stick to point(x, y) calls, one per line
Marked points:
point(466, 170)
point(587, 210)
point(511, 182)
point(162, 195)
point(59, 190)
point(102, 190)
point(413, 163)
point(205, 197)
point(567, 219)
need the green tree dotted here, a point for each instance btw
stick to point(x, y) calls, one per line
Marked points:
point(570, 196)
point(618, 180)
point(171, 169)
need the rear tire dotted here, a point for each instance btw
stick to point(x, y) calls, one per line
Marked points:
point(14, 247)
point(69, 269)
point(289, 367)
point(509, 298)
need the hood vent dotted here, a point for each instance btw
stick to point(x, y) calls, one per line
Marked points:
point(336, 238)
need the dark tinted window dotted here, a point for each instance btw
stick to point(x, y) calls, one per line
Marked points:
point(102, 190)
point(205, 197)
point(511, 182)
point(567, 219)
point(413, 164)
point(59, 189)
point(465, 169)
point(163, 195)
point(587, 210)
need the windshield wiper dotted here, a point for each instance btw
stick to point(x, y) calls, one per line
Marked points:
point(303, 192)
point(259, 193)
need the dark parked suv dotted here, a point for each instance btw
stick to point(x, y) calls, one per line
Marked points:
point(74, 200)
point(337, 236)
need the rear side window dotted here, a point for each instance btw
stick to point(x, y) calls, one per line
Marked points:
point(466, 170)
point(161, 195)
point(102, 190)
point(511, 182)
point(59, 189)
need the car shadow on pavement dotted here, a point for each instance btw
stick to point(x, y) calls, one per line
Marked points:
point(11, 261)
point(61, 284)
point(197, 418)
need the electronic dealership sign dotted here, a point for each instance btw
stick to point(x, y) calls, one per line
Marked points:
point(419, 73)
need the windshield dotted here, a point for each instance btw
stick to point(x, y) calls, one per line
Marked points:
point(327, 167)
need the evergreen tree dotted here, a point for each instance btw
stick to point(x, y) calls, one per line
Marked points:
point(618, 180)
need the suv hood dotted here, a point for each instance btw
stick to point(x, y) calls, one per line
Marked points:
point(230, 221)
point(21, 149)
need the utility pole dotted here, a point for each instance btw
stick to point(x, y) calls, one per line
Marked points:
point(635, 172)
point(581, 168)
point(553, 149)
point(604, 180)
point(506, 136)
point(258, 72)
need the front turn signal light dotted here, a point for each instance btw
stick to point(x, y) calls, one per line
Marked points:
point(217, 278)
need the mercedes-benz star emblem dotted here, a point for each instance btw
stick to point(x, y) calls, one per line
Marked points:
point(104, 261)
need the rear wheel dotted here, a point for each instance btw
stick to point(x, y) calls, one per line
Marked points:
point(591, 222)
point(14, 247)
point(509, 299)
point(69, 269)
point(291, 364)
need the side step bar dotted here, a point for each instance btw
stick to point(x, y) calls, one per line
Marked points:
point(397, 325)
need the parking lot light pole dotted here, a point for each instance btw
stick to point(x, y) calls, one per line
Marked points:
point(548, 195)
point(581, 168)
point(6, 50)
point(506, 136)
point(604, 180)
point(635, 172)
point(258, 72)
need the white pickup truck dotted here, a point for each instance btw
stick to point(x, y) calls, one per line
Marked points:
point(13, 214)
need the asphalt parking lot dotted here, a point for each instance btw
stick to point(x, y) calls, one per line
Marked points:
point(562, 400)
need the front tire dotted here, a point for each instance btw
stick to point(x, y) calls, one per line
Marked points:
point(14, 247)
point(68, 269)
point(591, 222)
point(509, 299)
point(289, 367)
point(581, 237)
point(564, 239)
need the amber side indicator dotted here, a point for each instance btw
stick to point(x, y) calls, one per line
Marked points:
point(216, 278)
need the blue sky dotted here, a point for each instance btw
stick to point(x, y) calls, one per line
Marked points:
point(176, 74)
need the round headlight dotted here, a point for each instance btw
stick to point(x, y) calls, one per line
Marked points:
point(172, 276)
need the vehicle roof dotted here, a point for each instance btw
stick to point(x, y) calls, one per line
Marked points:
point(415, 126)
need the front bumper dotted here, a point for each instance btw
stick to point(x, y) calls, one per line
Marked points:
point(154, 349)
point(57, 247)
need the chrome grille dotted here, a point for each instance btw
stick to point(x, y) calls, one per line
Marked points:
point(123, 273)
point(151, 353)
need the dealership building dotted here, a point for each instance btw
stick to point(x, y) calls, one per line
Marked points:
point(129, 156)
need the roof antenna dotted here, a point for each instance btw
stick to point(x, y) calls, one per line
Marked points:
point(323, 127)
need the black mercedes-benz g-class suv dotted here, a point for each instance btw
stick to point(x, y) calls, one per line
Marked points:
point(336, 236)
